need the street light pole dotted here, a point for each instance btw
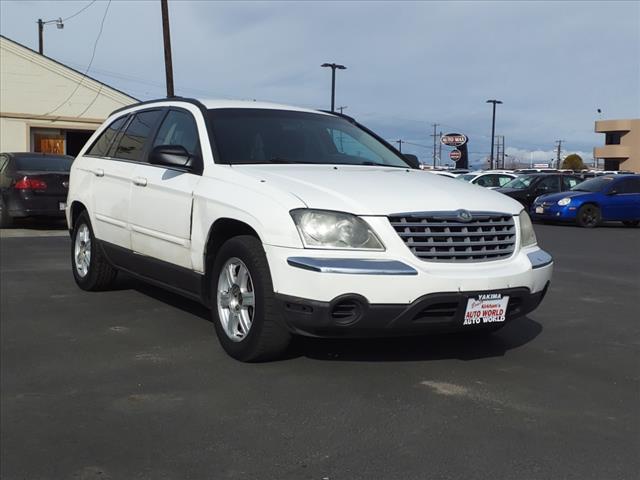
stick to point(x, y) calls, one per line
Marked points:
point(333, 67)
point(41, 23)
point(493, 130)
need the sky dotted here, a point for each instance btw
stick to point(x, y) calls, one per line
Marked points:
point(409, 64)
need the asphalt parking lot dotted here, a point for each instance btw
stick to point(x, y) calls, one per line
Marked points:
point(132, 384)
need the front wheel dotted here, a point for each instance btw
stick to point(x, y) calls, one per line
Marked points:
point(631, 223)
point(244, 309)
point(589, 216)
point(91, 269)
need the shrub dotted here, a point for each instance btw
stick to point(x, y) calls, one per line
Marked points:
point(573, 162)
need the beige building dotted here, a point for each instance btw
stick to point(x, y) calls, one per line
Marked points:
point(46, 106)
point(621, 149)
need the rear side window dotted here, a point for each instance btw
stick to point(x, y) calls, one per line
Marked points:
point(101, 146)
point(132, 142)
point(179, 128)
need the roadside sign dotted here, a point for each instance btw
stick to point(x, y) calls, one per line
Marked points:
point(453, 139)
point(455, 155)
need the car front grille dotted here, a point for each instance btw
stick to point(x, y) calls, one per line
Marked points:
point(458, 236)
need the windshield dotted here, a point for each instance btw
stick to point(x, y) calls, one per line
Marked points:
point(44, 163)
point(467, 177)
point(520, 183)
point(254, 135)
point(593, 185)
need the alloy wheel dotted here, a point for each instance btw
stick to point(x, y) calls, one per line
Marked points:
point(235, 299)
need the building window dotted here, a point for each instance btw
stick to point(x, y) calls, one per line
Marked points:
point(613, 138)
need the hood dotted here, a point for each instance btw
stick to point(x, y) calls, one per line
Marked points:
point(554, 197)
point(512, 191)
point(365, 190)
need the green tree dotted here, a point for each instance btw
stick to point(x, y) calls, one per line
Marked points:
point(573, 162)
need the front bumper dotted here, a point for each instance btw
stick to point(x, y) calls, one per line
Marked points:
point(352, 316)
point(553, 212)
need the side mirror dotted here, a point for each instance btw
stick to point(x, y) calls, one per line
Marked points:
point(411, 160)
point(170, 156)
point(612, 192)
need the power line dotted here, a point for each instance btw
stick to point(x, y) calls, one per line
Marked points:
point(93, 54)
point(79, 11)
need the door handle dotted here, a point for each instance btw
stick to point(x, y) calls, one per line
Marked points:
point(140, 181)
point(98, 172)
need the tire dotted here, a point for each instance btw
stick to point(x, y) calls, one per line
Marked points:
point(631, 223)
point(94, 273)
point(247, 333)
point(589, 216)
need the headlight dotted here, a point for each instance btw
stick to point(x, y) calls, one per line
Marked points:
point(564, 201)
point(527, 235)
point(325, 229)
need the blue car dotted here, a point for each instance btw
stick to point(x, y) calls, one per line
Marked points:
point(601, 199)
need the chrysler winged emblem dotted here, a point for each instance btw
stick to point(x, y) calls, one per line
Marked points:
point(464, 215)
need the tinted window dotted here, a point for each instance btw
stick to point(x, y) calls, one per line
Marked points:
point(569, 182)
point(628, 185)
point(43, 163)
point(179, 128)
point(549, 184)
point(133, 140)
point(504, 179)
point(520, 183)
point(101, 146)
point(248, 135)
point(597, 184)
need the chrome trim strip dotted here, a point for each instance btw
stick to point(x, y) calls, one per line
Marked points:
point(353, 266)
point(539, 259)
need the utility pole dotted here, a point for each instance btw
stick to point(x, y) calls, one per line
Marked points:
point(435, 136)
point(440, 150)
point(559, 145)
point(341, 109)
point(168, 65)
point(493, 130)
point(500, 151)
point(399, 142)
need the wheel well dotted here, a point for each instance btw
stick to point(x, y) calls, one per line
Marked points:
point(76, 209)
point(222, 230)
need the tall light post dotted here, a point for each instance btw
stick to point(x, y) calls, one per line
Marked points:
point(493, 130)
point(333, 67)
point(41, 23)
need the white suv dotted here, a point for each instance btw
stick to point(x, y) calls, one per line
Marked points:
point(292, 221)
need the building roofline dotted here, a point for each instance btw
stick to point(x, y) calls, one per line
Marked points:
point(69, 68)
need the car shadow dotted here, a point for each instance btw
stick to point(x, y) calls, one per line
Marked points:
point(37, 224)
point(127, 282)
point(461, 346)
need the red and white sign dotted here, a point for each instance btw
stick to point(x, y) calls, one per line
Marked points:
point(453, 139)
point(455, 155)
point(487, 308)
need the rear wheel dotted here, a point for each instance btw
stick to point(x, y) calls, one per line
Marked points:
point(631, 223)
point(589, 216)
point(244, 308)
point(91, 269)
